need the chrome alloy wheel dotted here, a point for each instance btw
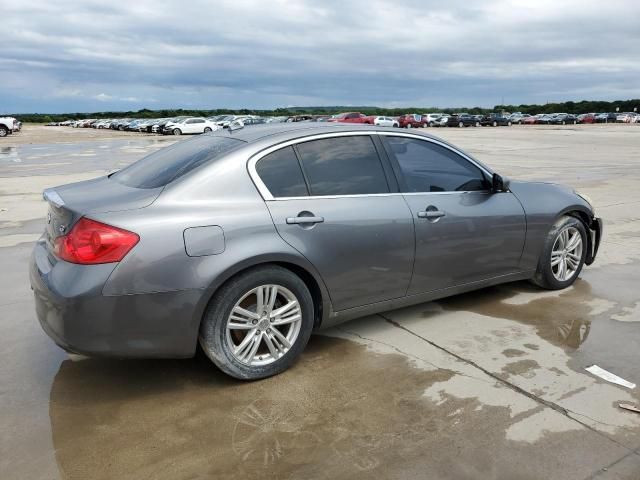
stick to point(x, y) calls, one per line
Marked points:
point(566, 254)
point(263, 325)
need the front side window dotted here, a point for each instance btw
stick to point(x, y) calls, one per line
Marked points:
point(281, 174)
point(343, 166)
point(429, 167)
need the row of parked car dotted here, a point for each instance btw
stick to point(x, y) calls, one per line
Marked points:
point(190, 125)
point(168, 126)
point(567, 118)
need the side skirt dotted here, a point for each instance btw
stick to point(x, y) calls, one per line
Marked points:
point(336, 318)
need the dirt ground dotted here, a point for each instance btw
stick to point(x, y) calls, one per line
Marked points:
point(487, 385)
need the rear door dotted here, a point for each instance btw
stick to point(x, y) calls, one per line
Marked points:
point(464, 232)
point(334, 199)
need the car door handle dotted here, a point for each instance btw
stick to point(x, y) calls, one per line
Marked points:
point(431, 214)
point(303, 220)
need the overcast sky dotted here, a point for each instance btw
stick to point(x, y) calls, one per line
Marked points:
point(66, 56)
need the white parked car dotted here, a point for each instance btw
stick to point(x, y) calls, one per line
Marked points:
point(386, 122)
point(432, 118)
point(8, 125)
point(190, 125)
point(441, 122)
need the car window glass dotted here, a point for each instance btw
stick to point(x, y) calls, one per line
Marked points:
point(343, 166)
point(167, 164)
point(429, 167)
point(280, 172)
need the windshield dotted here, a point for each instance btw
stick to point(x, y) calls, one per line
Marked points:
point(166, 165)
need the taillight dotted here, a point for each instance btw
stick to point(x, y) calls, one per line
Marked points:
point(90, 242)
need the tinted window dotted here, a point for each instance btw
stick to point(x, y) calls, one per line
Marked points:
point(164, 166)
point(343, 166)
point(280, 172)
point(428, 167)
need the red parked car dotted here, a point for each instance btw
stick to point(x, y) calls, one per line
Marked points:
point(530, 120)
point(412, 120)
point(587, 118)
point(352, 117)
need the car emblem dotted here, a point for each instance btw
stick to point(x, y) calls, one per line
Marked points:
point(62, 228)
point(48, 218)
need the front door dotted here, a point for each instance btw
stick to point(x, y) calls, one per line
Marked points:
point(464, 232)
point(334, 204)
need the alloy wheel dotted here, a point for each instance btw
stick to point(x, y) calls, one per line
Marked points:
point(263, 325)
point(566, 254)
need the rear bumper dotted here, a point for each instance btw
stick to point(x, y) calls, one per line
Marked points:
point(595, 236)
point(75, 314)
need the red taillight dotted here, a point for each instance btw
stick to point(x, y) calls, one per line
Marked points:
point(90, 242)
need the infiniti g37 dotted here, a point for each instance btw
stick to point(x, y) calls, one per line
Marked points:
point(246, 240)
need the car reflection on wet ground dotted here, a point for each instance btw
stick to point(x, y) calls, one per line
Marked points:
point(490, 384)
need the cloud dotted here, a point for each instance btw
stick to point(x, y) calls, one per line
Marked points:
point(251, 53)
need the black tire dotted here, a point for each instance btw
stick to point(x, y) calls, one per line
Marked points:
point(176, 131)
point(207, 129)
point(212, 336)
point(4, 131)
point(544, 276)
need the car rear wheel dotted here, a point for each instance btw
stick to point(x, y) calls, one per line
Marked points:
point(409, 125)
point(460, 124)
point(495, 124)
point(509, 123)
point(563, 255)
point(177, 131)
point(258, 324)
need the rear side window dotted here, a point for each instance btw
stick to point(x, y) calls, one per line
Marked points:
point(166, 165)
point(342, 166)
point(429, 167)
point(280, 172)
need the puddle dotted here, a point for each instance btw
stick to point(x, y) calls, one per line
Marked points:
point(562, 318)
point(341, 412)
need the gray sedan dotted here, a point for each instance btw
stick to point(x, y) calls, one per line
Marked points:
point(246, 240)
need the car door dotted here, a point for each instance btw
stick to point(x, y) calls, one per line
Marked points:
point(336, 202)
point(464, 232)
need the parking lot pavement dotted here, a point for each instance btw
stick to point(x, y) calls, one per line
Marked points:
point(489, 384)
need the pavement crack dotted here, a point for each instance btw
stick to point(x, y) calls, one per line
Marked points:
point(554, 406)
point(410, 355)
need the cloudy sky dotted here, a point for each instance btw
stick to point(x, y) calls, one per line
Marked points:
point(66, 56)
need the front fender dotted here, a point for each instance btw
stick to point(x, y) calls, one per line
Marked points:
point(543, 204)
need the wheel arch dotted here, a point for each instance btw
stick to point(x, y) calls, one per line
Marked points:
point(306, 272)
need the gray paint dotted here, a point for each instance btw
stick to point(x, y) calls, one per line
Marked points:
point(203, 241)
point(361, 257)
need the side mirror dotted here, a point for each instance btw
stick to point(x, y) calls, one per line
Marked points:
point(499, 184)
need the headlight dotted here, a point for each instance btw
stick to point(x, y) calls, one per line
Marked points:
point(587, 199)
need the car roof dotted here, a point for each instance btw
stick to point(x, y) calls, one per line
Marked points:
point(286, 131)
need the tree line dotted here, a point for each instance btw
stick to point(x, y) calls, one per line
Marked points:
point(584, 106)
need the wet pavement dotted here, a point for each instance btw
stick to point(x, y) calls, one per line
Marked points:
point(487, 385)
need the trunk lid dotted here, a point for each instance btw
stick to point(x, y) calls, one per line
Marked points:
point(67, 203)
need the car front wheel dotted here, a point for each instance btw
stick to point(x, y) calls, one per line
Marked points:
point(4, 132)
point(563, 255)
point(207, 129)
point(177, 131)
point(258, 324)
